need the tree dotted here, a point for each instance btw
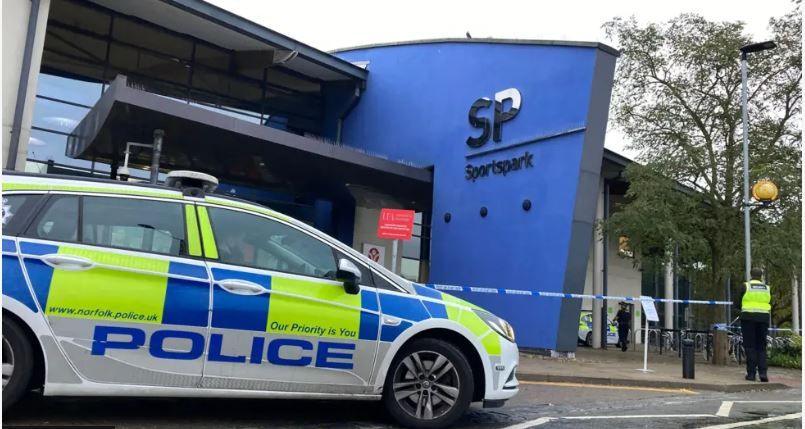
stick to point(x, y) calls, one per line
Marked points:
point(677, 99)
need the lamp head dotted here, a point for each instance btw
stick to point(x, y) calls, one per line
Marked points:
point(757, 47)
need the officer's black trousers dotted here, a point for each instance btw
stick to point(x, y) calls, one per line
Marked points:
point(754, 340)
point(623, 337)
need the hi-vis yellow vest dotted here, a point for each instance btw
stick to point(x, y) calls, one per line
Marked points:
point(757, 298)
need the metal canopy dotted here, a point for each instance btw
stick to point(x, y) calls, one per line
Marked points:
point(234, 150)
point(205, 21)
point(191, 50)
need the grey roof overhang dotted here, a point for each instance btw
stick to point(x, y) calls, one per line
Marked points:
point(606, 48)
point(613, 166)
point(204, 21)
point(237, 23)
point(231, 149)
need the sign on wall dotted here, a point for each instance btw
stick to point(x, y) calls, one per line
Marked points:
point(395, 224)
point(375, 252)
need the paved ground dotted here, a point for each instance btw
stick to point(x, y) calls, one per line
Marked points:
point(543, 405)
point(612, 366)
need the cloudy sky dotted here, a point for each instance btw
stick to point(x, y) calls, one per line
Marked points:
point(330, 25)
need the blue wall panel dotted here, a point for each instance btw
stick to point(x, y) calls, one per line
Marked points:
point(415, 108)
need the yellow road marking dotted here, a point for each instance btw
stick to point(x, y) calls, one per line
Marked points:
point(605, 386)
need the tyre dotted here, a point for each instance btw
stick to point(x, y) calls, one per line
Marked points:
point(429, 384)
point(18, 360)
point(589, 340)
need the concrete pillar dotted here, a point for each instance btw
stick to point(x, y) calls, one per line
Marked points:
point(669, 294)
point(598, 269)
point(15, 15)
point(794, 304)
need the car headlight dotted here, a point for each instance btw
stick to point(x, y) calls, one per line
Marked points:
point(497, 324)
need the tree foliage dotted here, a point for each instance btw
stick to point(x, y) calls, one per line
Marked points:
point(677, 98)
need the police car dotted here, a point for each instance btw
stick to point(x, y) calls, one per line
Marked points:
point(117, 289)
point(586, 330)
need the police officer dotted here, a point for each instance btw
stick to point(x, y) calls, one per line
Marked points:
point(755, 309)
point(624, 319)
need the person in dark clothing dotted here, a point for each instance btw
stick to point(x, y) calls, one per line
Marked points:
point(623, 318)
point(755, 311)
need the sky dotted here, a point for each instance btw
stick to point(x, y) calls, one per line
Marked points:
point(329, 25)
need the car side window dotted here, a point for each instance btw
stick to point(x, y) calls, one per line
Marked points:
point(255, 241)
point(58, 221)
point(143, 225)
point(18, 210)
point(382, 283)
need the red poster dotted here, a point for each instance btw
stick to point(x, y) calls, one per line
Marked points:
point(395, 224)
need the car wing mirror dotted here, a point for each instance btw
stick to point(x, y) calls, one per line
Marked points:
point(350, 275)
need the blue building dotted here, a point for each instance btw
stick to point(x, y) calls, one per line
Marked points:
point(496, 144)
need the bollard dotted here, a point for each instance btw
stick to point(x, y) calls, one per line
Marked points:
point(688, 359)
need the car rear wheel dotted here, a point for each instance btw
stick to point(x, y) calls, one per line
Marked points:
point(429, 384)
point(17, 362)
point(589, 339)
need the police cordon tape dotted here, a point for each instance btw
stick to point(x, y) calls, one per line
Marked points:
point(504, 291)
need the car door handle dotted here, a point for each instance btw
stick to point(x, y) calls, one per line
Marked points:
point(391, 321)
point(68, 262)
point(241, 287)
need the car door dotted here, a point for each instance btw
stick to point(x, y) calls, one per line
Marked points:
point(122, 285)
point(279, 320)
point(18, 208)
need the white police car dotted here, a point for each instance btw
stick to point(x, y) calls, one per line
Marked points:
point(586, 330)
point(115, 289)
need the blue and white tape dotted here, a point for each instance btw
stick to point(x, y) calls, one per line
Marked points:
point(503, 291)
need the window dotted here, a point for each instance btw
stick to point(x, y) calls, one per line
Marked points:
point(382, 283)
point(17, 209)
point(412, 250)
point(59, 220)
point(245, 239)
point(144, 225)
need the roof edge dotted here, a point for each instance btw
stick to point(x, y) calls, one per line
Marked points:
point(250, 28)
point(598, 45)
point(611, 155)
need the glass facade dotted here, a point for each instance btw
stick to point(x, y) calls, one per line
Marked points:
point(87, 46)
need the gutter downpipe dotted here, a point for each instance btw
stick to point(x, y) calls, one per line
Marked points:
point(353, 100)
point(22, 88)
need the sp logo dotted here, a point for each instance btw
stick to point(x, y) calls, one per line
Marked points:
point(498, 119)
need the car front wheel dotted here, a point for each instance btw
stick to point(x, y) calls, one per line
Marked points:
point(17, 362)
point(429, 384)
point(589, 340)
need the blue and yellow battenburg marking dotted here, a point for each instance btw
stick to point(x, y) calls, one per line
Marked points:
point(162, 291)
point(125, 288)
point(14, 284)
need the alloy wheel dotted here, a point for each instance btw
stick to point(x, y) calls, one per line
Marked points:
point(426, 385)
point(8, 361)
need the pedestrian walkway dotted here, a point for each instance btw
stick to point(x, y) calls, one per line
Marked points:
point(613, 367)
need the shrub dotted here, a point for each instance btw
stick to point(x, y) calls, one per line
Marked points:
point(788, 356)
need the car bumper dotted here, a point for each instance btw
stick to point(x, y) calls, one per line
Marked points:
point(504, 375)
point(611, 339)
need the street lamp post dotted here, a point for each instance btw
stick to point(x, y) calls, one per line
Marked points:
point(745, 51)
